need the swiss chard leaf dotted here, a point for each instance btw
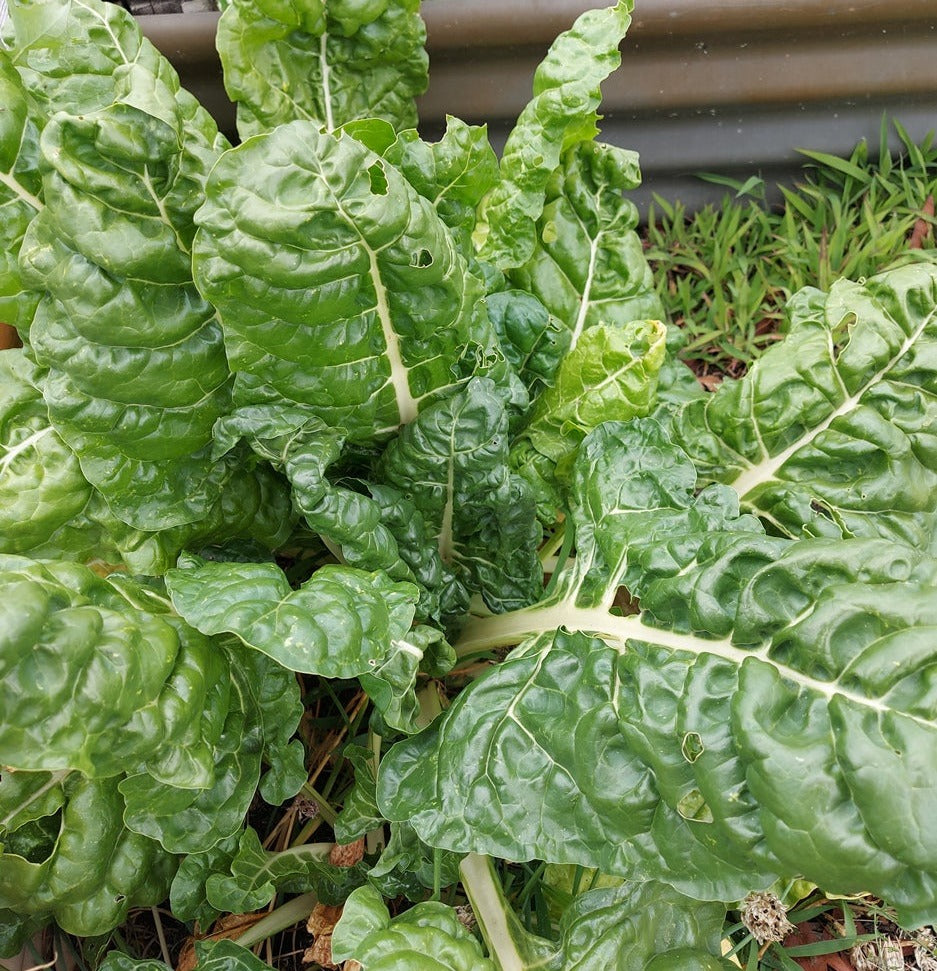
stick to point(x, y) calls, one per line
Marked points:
point(339, 288)
point(20, 191)
point(588, 265)
point(831, 432)
point(561, 114)
point(452, 463)
point(700, 712)
point(91, 869)
point(428, 937)
point(125, 153)
point(329, 63)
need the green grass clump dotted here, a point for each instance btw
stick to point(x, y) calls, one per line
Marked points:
point(725, 273)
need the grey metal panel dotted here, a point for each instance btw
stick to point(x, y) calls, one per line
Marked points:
point(732, 86)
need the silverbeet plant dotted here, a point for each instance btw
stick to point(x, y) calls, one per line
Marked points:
point(440, 385)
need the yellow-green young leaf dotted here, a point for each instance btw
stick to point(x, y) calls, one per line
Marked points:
point(561, 114)
point(588, 266)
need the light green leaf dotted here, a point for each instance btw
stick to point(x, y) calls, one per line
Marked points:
point(561, 114)
point(328, 63)
point(588, 266)
point(428, 936)
point(611, 375)
point(339, 288)
point(831, 433)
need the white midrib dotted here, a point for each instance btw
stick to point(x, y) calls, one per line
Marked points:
point(23, 446)
point(326, 82)
point(580, 324)
point(488, 633)
point(406, 403)
point(485, 898)
point(21, 192)
point(766, 470)
point(161, 208)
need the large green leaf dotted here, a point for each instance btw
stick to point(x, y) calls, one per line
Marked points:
point(125, 153)
point(831, 433)
point(49, 510)
point(756, 718)
point(561, 114)
point(454, 174)
point(339, 288)
point(340, 623)
point(623, 927)
point(329, 63)
point(98, 676)
point(82, 867)
point(428, 937)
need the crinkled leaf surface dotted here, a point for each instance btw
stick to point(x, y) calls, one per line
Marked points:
point(454, 173)
point(305, 450)
point(339, 624)
point(533, 340)
point(756, 718)
point(452, 462)
point(588, 266)
point(328, 63)
point(191, 820)
point(611, 375)
point(561, 114)
point(93, 681)
point(20, 191)
point(632, 926)
point(832, 432)
point(339, 288)
point(49, 510)
point(428, 936)
point(125, 155)
point(89, 869)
